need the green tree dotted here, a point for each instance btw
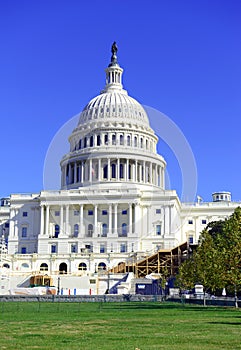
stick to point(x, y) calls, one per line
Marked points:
point(216, 263)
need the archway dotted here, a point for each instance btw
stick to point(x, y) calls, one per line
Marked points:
point(44, 267)
point(63, 268)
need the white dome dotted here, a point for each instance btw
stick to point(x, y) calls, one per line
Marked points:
point(115, 106)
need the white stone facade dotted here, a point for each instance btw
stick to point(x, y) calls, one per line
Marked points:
point(112, 204)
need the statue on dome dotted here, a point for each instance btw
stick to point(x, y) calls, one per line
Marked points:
point(114, 49)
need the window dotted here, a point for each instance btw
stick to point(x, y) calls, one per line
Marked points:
point(158, 230)
point(190, 222)
point(25, 213)
point(104, 212)
point(57, 213)
point(90, 212)
point(56, 231)
point(190, 239)
point(91, 141)
point(104, 230)
point(82, 267)
point(121, 140)
point(6, 225)
point(98, 140)
point(76, 212)
point(44, 267)
point(76, 230)
point(158, 211)
point(124, 229)
point(204, 222)
point(24, 232)
point(124, 212)
point(90, 230)
point(74, 248)
point(121, 171)
point(128, 140)
point(53, 248)
point(23, 250)
point(102, 248)
point(123, 248)
point(113, 171)
point(102, 266)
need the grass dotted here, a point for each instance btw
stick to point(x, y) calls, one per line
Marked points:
point(122, 326)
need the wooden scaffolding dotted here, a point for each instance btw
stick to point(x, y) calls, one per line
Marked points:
point(163, 262)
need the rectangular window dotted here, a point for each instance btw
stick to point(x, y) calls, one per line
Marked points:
point(24, 232)
point(124, 212)
point(190, 239)
point(158, 211)
point(104, 212)
point(57, 213)
point(73, 248)
point(102, 248)
point(25, 213)
point(158, 230)
point(23, 250)
point(76, 212)
point(6, 224)
point(190, 222)
point(123, 248)
point(53, 248)
point(90, 212)
point(204, 222)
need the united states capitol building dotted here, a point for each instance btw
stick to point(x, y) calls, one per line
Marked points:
point(112, 203)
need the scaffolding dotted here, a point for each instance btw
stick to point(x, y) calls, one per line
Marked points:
point(165, 262)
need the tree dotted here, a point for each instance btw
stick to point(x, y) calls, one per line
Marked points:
point(217, 261)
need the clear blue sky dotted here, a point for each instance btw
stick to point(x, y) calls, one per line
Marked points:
point(182, 58)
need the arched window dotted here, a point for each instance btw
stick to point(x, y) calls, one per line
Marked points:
point(113, 139)
point(141, 142)
point(106, 139)
point(25, 266)
point(7, 266)
point(121, 171)
point(121, 140)
point(85, 142)
point(91, 141)
point(128, 140)
point(82, 266)
point(44, 267)
point(56, 231)
point(105, 171)
point(76, 230)
point(80, 144)
point(104, 230)
point(98, 140)
point(90, 230)
point(113, 171)
point(63, 268)
point(135, 141)
point(124, 229)
point(101, 266)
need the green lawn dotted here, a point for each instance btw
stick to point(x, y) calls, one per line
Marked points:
point(122, 326)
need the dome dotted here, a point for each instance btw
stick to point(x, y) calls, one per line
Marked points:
point(114, 106)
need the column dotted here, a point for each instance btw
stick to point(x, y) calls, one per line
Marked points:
point(144, 171)
point(110, 219)
point(66, 220)
point(81, 222)
point(99, 169)
point(127, 169)
point(61, 229)
point(47, 220)
point(118, 170)
point(108, 170)
point(75, 172)
point(140, 171)
point(82, 171)
point(115, 219)
point(11, 223)
point(156, 175)
point(138, 222)
point(95, 220)
point(130, 218)
point(90, 170)
point(41, 220)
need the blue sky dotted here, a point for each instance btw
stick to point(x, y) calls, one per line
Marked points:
point(182, 58)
